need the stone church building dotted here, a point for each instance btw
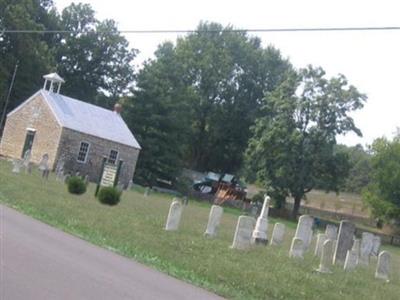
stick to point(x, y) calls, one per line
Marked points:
point(75, 132)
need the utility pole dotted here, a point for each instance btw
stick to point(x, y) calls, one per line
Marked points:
point(3, 115)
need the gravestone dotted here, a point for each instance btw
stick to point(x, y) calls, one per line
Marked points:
point(146, 192)
point(174, 215)
point(17, 165)
point(326, 257)
point(214, 220)
point(351, 260)
point(260, 231)
point(356, 246)
point(297, 248)
point(331, 232)
point(344, 241)
point(60, 170)
point(304, 230)
point(383, 266)
point(376, 245)
point(44, 166)
point(278, 234)
point(321, 238)
point(366, 248)
point(243, 233)
point(86, 179)
point(27, 161)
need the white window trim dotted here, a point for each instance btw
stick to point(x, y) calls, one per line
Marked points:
point(116, 158)
point(87, 153)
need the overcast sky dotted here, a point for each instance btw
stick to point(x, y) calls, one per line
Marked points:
point(370, 60)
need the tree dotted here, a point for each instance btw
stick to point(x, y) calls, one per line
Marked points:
point(229, 73)
point(194, 103)
point(360, 168)
point(293, 143)
point(94, 59)
point(383, 193)
point(32, 51)
point(157, 114)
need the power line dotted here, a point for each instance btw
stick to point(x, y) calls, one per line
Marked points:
point(157, 31)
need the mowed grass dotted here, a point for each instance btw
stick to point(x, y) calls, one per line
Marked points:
point(135, 228)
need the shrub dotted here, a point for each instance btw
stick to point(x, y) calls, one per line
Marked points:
point(109, 196)
point(76, 185)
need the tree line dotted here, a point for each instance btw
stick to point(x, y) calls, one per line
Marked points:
point(213, 100)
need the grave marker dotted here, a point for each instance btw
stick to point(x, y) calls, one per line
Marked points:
point(297, 248)
point(326, 257)
point(331, 232)
point(366, 248)
point(260, 231)
point(174, 215)
point(321, 238)
point(214, 220)
point(278, 234)
point(383, 266)
point(344, 241)
point(304, 230)
point(243, 233)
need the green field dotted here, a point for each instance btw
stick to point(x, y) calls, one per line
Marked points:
point(134, 228)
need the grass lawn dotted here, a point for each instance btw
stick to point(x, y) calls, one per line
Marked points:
point(134, 228)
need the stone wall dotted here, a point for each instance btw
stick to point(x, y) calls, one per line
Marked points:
point(34, 114)
point(69, 148)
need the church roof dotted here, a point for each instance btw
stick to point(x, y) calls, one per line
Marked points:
point(90, 119)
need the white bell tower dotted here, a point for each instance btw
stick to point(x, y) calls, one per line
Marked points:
point(54, 80)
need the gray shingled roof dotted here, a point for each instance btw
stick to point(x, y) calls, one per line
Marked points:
point(89, 119)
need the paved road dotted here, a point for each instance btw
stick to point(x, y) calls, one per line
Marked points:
point(41, 262)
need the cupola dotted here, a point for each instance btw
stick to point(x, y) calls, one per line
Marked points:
point(55, 80)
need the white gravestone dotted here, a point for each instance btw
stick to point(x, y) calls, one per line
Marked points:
point(344, 241)
point(27, 160)
point(326, 257)
point(383, 266)
point(356, 246)
point(174, 215)
point(60, 170)
point(243, 233)
point(278, 234)
point(260, 231)
point(351, 260)
point(44, 166)
point(366, 248)
point(304, 230)
point(17, 165)
point(331, 232)
point(376, 245)
point(321, 238)
point(214, 220)
point(297, 248)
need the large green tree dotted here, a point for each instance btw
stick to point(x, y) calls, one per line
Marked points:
point(383, 192)
point(94, 59)
point(229, 73)
point(195, 101)
point(31, 51)
point(157, 114)
point(293, 144)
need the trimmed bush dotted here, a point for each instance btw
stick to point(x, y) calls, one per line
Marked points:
point(76, 185)
point(109, 195)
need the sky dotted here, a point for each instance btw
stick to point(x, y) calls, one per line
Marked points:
point(369, 60)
